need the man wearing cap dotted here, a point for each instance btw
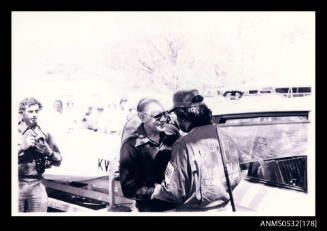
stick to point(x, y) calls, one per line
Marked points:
point(144, 155)
point(195, 177)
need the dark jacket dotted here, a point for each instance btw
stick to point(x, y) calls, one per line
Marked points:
point(142, 164)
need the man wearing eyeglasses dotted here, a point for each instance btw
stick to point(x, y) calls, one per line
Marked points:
point(144, 156)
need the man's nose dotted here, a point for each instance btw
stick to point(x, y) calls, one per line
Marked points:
point(162, 118)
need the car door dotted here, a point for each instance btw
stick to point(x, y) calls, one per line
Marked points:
point(273, 148)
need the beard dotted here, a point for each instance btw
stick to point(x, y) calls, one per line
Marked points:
point(31, 122)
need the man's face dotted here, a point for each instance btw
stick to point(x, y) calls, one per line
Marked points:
point(30, 115)
point(58, 106)
point(150, 119)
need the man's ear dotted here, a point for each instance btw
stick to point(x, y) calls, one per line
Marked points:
point(141, 116)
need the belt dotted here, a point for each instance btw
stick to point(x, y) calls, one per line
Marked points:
point(213, 205)
point(30, 177)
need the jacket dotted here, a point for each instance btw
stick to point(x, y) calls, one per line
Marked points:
point(195, 177)
point(142, 164)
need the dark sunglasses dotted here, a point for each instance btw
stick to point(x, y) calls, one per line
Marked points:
point(160, 115)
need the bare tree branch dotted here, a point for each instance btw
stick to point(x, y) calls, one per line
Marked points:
point(146, 67)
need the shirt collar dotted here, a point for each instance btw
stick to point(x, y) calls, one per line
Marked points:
point(141, 137)
point(22, 126)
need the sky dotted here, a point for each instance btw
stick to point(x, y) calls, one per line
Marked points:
point(253, 48)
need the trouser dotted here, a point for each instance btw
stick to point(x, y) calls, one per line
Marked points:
point(33, 196)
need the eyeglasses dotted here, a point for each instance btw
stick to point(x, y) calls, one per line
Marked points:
point(159, 116)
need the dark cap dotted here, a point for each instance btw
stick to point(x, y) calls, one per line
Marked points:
point(187, 98)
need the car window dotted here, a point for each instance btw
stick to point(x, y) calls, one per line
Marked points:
point(267, 119)
point(273, 148)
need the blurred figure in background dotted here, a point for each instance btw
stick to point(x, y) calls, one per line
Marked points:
point(87, 118)
point(57, 105)
point(101, 119)
point(131, 113)
point(69, 105)
point(123, 104)
point(120, 117)
point(93, 118)
point(72, 116)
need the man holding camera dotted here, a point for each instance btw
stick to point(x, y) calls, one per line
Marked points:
point(36, 152)
point(144, 156)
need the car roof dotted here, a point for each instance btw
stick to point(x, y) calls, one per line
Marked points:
point(261, 103)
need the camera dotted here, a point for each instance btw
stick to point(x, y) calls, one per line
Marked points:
point(38, 153)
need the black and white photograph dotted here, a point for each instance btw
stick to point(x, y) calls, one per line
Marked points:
point(163, 113)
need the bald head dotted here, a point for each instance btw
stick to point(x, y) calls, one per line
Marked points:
point(148, 109)
point(143, 104)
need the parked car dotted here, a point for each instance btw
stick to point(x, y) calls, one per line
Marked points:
point(272, 135)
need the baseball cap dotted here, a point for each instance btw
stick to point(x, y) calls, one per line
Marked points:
point(187, 98)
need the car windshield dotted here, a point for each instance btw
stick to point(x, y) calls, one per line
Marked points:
point(250, 121)
point(265, 138)
point(281, 143)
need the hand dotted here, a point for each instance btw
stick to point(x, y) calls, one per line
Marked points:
point(43, 148)
point(171, 129)
point(165, 147)
point(29, 141)
point(157, 188)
